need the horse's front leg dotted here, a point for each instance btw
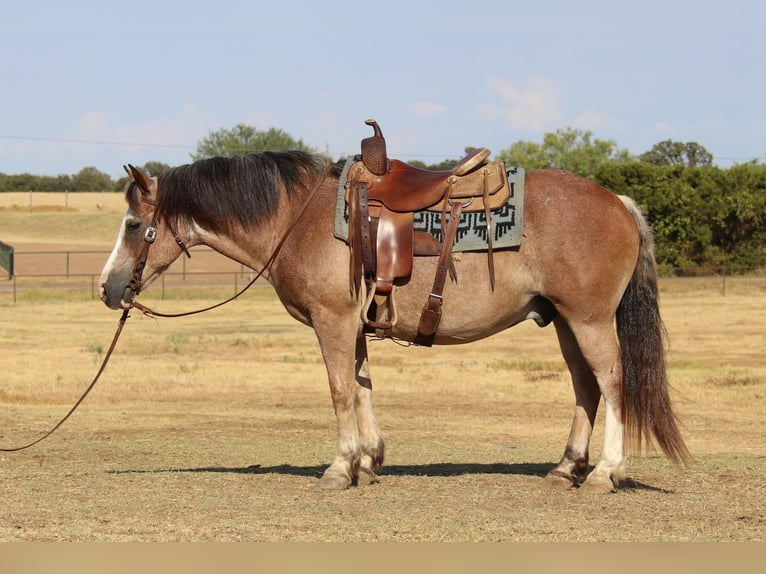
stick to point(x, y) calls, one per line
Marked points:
point(360, 446)
point(371, 439)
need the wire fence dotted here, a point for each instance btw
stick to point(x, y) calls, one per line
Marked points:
point(74, 274)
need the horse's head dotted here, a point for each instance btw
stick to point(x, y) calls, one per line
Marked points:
point(146, 245)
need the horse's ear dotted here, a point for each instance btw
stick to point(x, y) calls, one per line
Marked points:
point(141, 180)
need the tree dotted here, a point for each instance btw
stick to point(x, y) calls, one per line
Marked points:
point(568, 148)
point(29, 182)
point(701, 216)
point(668, 152)
point(444, 165)
point(91, 179)
point(152, 168)
point(243, 139)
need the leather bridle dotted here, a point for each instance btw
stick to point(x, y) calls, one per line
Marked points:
point(150, 235)
point(138, 270)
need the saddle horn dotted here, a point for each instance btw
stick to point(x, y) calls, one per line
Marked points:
point(374, 150)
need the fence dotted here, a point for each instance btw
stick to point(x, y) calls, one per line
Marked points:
point(74, 274)
point(6, 258)
point(73, 263)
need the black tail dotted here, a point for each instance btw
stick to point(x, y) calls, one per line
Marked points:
point(646, 407)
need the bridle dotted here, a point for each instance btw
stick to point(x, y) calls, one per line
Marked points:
point(150, 235)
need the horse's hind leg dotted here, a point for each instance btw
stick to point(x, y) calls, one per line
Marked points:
point(370, 438)
point(599, 352)
point(573, 467)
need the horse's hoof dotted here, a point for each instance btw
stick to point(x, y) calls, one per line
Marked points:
point(597, 485)
point(332, 482)
point(366, 478)
point(555, 482)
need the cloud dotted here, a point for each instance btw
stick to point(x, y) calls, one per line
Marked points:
point(104, 139)
point(428, 110)
point(180, 129)
point(531, 107)
point(92, 124)
point(596, 121)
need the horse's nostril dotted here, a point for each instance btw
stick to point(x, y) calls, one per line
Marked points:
point(102, 292)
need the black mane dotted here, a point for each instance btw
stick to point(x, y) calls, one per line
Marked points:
point(219, 192)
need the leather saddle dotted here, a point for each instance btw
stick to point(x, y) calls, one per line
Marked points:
point(383, 195)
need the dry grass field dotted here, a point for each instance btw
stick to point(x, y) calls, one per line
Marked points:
point(215, 428)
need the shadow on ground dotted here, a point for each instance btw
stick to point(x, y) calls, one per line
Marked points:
point(445, 469)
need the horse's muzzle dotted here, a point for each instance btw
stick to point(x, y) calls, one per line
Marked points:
point(115, 298)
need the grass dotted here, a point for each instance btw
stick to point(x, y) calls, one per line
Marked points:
point(91, 228)
point(40, 202)
point(215, 427)
point(89, 220)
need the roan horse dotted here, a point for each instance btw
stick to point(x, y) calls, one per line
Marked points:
point(586, 263)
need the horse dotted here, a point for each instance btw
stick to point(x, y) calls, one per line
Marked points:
point(585, 264)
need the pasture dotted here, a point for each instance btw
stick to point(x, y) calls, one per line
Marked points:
point(215, 427)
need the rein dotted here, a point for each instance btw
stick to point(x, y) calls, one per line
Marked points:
point(135, 288)
point(87, 391)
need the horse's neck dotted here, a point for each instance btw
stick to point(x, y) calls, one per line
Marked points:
point(255, 246)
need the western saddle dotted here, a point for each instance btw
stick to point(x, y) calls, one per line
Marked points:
point(383, 194)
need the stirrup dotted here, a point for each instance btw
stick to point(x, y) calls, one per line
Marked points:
point(391, 304)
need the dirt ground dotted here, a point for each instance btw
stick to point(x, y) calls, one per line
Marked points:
point(215, 428)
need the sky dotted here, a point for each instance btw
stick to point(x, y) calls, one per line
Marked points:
point(102, 84)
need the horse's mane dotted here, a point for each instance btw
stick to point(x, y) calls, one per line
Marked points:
point(219, 192)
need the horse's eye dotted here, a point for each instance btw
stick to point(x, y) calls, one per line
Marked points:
point(133, 226)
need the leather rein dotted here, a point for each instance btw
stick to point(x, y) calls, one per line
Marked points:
point(135, 288)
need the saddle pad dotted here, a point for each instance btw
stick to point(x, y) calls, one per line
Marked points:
point(472, 230)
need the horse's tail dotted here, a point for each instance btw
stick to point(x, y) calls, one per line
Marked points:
point(646, 408)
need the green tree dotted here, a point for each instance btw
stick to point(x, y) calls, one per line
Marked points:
point(152, 168)
point(672, 205)
point(668, 152)
point(568, 148)
point(702, 216)
point(740, 218)
point(243, 139)
point(444, 165)
point(91, 179)
point(29, 182)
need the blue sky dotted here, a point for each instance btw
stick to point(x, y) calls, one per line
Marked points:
point(95, 83)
